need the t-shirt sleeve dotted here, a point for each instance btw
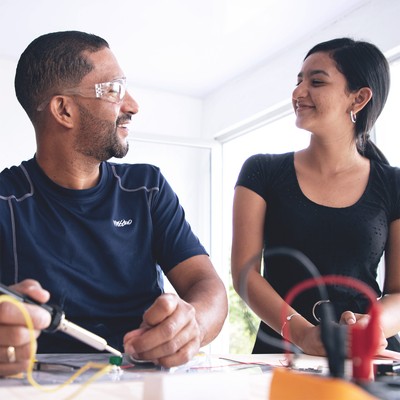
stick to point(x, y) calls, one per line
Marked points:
point(253, 174)
point(174, 240)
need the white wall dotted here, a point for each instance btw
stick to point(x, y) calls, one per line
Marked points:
point(258, 91)
point(17, 139)
point(166, 114)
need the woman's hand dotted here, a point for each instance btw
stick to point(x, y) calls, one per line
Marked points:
point(308, 339)
point(362, 320)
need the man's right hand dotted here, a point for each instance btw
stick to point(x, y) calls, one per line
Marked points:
point(14, 335)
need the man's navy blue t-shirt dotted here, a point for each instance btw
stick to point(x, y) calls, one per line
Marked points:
point(98, 251)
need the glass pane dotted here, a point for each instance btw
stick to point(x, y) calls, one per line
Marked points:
point(387, 131)
point(187, 170)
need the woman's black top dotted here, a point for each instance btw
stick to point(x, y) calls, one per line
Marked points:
point(346, 241)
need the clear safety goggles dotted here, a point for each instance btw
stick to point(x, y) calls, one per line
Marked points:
point(113, 91)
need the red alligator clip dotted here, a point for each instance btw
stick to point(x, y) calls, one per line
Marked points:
point(364, 345)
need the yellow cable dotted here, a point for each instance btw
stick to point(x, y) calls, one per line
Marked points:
point(103, 368)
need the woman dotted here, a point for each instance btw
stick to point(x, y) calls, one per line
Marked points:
point(337, 202)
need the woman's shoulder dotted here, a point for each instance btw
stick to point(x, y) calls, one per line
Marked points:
point(386, 177)
point(385, 170)
point(269, 159)
point(262, 170)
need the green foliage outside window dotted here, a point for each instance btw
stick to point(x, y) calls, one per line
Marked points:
point(243, 325)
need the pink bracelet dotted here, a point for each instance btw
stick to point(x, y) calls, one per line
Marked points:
point(288, 318)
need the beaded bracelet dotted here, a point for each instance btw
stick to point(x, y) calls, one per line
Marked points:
point(288, 318)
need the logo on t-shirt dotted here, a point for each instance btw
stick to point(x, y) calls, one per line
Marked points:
point(122, 222)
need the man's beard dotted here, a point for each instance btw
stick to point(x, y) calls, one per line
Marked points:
point(98, 138)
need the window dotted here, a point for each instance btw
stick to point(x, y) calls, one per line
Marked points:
point(281, 136)
point(387, 135)
point(187, 169)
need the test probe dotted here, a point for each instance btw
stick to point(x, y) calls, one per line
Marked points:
point(60, 323)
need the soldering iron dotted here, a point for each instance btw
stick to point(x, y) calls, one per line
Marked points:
point(60, 323)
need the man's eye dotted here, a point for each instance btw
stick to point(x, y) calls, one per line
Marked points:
point(114, 88)
point(317, 82)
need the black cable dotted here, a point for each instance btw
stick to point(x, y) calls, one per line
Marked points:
point(333, 335)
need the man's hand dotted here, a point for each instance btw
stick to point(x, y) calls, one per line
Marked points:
point(14, 335)
point(169, 335)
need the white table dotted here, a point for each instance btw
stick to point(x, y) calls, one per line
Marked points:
point(233, 377)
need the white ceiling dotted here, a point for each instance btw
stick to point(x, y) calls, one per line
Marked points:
point(189, 47)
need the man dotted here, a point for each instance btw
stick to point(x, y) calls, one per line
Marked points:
point(94, 234)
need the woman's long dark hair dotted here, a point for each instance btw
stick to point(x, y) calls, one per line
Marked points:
point(363, 65)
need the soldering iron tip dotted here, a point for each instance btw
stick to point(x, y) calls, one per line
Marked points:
point(113, 351)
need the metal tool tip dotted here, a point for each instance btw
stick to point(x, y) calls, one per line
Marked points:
point(113, 351)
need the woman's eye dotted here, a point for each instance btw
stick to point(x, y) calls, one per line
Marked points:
point(314, 82)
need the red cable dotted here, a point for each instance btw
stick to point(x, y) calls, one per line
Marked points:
point(364, 340)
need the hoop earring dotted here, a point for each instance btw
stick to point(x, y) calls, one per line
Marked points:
point(353, 117)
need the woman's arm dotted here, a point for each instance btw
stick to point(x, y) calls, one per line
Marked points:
point(249, 211)
point(390, 302)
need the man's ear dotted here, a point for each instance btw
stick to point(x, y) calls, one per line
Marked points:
point(61, 107)
point(362, 97)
